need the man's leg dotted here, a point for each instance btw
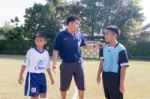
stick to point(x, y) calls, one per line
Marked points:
point(81, 94)
point(66, 72)
point(79, 79)
point(63, 94)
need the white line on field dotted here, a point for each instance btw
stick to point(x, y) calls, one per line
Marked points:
point(75, 93)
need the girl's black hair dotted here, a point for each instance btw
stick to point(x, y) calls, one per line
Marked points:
point(41, 34)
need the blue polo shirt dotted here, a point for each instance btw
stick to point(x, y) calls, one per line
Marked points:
point(69, 45)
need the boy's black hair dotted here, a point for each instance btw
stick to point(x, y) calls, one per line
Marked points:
point(41, 34)
point(72, 18)
point(114, 29)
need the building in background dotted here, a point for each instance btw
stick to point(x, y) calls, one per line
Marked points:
point(145, 33)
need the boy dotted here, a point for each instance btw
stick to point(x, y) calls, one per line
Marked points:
point(113, 64)
point(37, 60)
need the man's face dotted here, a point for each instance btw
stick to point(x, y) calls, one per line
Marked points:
point(74, 26)
point(109, 36)
point(40, 42)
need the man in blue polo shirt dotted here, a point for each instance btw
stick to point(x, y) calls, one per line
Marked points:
point(68, 44)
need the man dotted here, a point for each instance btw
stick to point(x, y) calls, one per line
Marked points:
point(67, 44)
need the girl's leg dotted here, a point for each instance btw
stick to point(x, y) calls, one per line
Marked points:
point(42, 95)
point(37, 97)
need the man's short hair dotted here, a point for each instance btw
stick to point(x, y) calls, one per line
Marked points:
point(113, 29)
point(73, 18)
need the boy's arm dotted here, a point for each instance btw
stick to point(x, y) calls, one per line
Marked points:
point(50, 75)
point(20, 80)
point(123, 59)
point(100, 65)
point(122, 77)
point(99, 71)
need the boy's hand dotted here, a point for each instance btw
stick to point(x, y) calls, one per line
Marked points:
point(122, 89)
point(20, 80)
point(52, 81)
point(98, 79)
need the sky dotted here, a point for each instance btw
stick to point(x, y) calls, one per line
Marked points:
point(11, 8)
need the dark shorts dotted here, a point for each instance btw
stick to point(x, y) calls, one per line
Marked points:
point(35, 84)
point(111, 83)
point(69, 70)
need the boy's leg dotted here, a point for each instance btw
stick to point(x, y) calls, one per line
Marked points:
point(113, 86)
point(105, 87)
point(79, 78)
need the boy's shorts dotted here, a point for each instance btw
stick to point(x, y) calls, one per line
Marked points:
point(35, 84)
point(69, 70)
point(111, 84)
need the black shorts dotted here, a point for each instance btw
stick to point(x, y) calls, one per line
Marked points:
point(111, 84)
point(69, 70)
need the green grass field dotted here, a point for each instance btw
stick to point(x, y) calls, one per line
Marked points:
point(137, 80)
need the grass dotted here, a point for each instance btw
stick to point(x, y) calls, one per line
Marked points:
point(137, 80)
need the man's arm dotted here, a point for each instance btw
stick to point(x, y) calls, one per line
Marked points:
point(93, 46)
point(50, 75)
point(89, 46)
point(55, 57)
point(20, 80)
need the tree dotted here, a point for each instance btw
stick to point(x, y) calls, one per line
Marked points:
point(37, 18)
point(42, 18)
point(100, 13)
point(11, 32)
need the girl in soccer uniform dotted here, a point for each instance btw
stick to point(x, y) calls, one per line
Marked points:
point(37, 61)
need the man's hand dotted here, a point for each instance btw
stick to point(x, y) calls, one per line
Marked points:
point(98, 79)
point(52, 81)
point(54, 68)
point(98, 45)
point(20, 80)
point(122, 89)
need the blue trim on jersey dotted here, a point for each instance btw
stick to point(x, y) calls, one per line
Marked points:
point(39, 51)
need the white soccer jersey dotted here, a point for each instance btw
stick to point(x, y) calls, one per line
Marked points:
point(37, 62)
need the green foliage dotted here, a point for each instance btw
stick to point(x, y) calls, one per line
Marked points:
point(19, 46)
point(37, 18)
point(97, 14)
